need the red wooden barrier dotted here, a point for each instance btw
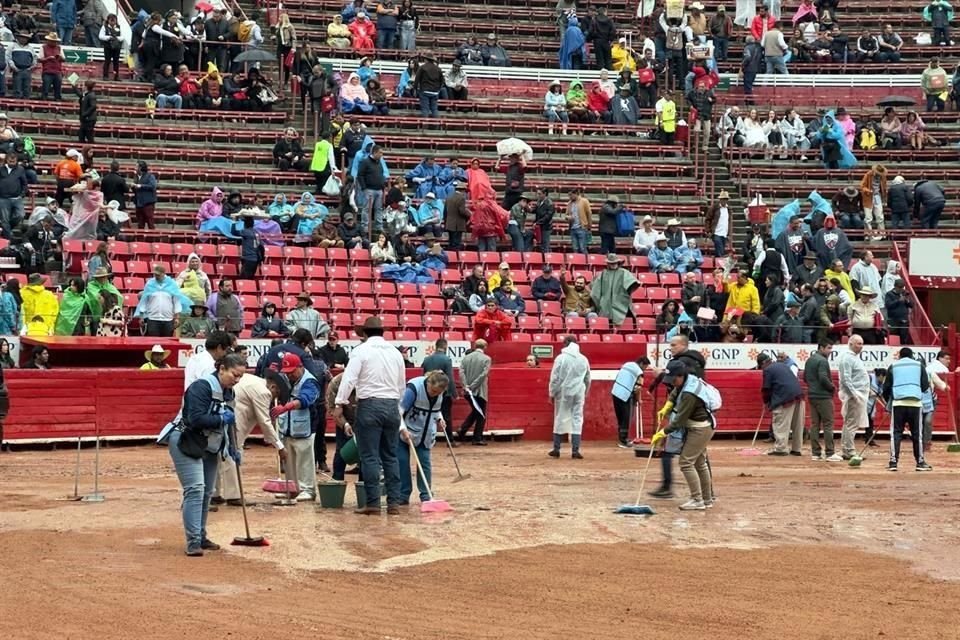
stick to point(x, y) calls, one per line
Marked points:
point(122, 402)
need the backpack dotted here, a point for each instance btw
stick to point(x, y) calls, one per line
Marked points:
point(626, 223)
point(646, 76)
point(710, 395)
point(244, 31)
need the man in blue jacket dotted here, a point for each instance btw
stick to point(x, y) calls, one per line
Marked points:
point(783, 396)
point(903, 390)
point(295, 423)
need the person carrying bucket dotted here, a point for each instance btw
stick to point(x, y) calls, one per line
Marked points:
point(693, 417)
point(421, 406)
point(344, 417)
point(903, 391)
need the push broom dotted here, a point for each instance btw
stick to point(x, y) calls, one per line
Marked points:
point(857, 459)
point(460, 475)
point(431, 505)
point(248, 540)
point(638, 509)
point(752, 449)
point(638, 422)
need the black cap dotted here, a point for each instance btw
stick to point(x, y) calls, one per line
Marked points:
point(675, 369)
point(762, 359)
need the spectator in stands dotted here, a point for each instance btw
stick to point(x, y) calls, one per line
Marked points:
point(794, 133)
point(39, 358)
point(63, 15)
point(898, 305)
point(873, 194)
point(161, 304)
point(900, 203)
point(789, 327)
point(774, 48)
point(514, 172)
point(404, 248)
point(469, 51)
point(646, 237)
point(198, 325)
point(509, 300)
point(599, 105)
point(809, 312)
point(500, 276)
point(716, 223)
point(37, 300)
point(868, 47)
point(332, 353)
point(304, 316)
point(472, 282)
point(378, 97)
point(809, 272)
point(939, 14)
point(354, 97)
point(405, 85)
point(702, 99)
point(792, 243)
point(577, 104)
point(752, 131)
point(546, 287)
point(381, 252)
point(848, 203)
point(577, 301)
point(933, 81)
point(351, 233)
point(693, 295)
point(408, 21)
point(517, 222)
point(832, 321)
point(865, 274)
point(865, 318)
point(580, 217)
point(573, 46)
point(668, 316)
point(890, 129)
point(609, 213)
point(837, 271)
point(622, 56)
point(721, 30)
point(325, 235)
point(610, 87)
point(338, 34)
point(478, 299)
point(773, 299)
point(762, 22)
point(216, 34)
point(601, 34)
point(689, 257)
point(892, 274)
point(269, 324)
point(13, 188)
point(913, 132)
point(190, 90)
point(427, 84)
point(624, 110)
point(831, 244)
point(455, 82)
point(193, 282)
point(363, 33)
point(928, 203)
point(743, 297)
point(51, 65)
point(288, 153)
point(431, 254)
point(611, 290)
point(167, 88)
point(543, 212)
point(224, 308)
point(114, 186)
point(425, 176)
point(676, 238)
point(492, 324)
point(21, 60)
point(750, 66)
point(555, 108)
point(285, 35)
point(455, 216)
point(625, 80)
point(890, 44)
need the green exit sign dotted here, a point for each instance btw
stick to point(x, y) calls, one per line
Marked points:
point(542, 351)
point(76, 56)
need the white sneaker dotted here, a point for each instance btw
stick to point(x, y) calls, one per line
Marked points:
point(305, 496)
point(709, 503)
point(835, 458)
point(693, 505)
point(803, 158)
point(816, 458)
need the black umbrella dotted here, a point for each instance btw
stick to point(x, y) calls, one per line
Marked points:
point(256, 55)
point(897, 101)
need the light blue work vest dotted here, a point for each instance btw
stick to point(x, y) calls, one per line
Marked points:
point(906, 379)
point(298, 423)
point(625, 381)
point(421, 418)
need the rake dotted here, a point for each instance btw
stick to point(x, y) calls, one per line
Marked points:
point(752, 449)
point(638, 509)
point(460, 475)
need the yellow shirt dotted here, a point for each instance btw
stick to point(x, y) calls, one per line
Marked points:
point(149, 366)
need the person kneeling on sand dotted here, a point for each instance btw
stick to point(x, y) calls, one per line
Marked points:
point(694, 416)
point(421, 406)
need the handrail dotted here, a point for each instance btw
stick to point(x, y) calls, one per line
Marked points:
point(921, 328)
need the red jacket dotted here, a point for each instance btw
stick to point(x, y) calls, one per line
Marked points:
point(487, 219)
point(492, 326)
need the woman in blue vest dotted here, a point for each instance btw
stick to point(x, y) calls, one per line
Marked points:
point(693, 418)
point(625, 392)
point(421, 408)
point(197, 444)
point(903, 391)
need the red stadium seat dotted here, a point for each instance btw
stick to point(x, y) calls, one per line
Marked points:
point(612, 337)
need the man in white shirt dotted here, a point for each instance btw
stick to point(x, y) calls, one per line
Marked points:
point(717, 224)
point(376, 373)
point(854, 393)
point(646, 237)
point(216, 346)
point(867, 275)
point(935, 371)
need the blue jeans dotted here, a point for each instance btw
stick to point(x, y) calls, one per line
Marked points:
point(378, 435)
point(930, 218)
point(372, 204)
point(719, 246)
point(428, 104)
point(720, 48)
point(900, 220)
point(487, 244)
point(545, 239)
point(385, 38)
point(578, 241)
point(66, 35)
point(51, 81)
point(406, 482)
point(608, 243)
point(164, 101)
point(557, 116)
point(92, 33)
point(11, 214)
point(197, 477)
point(776, 64)
point(21, 84)
point(934, 103)
point(516, 237)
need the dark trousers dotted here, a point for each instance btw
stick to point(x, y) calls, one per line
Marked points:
point(601, 50)
point(446, 410)
point(903, 333)
point(931, 216)
point(608, 243)
point(870, 336)
point(476, 420)
point(821, 419)
point(941, 35)
point(111, 57)
point(145, 216)
point(748, 79)
point(378, 435)
point(624, 411)
point(248, 269)
point(902, 418)
point(455, 243)
point(320, 441)
point(666, 471)
point(511, 198)
point(86, 131)
point(48, 82)
point(719, 246)
point(159, 328)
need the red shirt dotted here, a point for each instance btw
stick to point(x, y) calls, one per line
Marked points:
point(55, 62)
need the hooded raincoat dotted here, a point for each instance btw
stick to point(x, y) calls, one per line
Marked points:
point(569, 384)
point(211, 208)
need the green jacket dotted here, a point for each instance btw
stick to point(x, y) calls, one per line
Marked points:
point(816, 373)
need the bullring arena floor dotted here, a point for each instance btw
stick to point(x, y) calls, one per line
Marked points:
point(793, 549)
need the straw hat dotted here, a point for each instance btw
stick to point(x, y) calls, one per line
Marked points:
point(673, 222)
point(724, 195)
point(613, 258)
point(52, 37)
point(156, 349)
point(867, 291)
point(101, 272)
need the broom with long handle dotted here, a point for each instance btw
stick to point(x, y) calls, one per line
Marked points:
point(637, 509)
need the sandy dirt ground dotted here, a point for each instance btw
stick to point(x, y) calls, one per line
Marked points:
point(793, 550)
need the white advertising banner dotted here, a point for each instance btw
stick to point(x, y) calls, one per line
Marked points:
point(742, 356)
point(938, 257)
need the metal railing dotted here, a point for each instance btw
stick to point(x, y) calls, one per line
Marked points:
point(921, 328)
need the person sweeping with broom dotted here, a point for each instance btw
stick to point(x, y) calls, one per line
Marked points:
point(903, 390)
point(692, 416)
point(422, 407)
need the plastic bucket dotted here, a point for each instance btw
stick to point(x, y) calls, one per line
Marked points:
point(331, 494)
point(362, 494)
point(349, 451)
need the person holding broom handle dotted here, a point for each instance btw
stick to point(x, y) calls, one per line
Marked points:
point(422, 409)
point(693, 416)
point(199, 440)
point(854, 394)
point(903, 391)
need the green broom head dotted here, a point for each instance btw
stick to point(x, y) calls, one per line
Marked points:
point(635, 510)
point(953, 447)
point(855, 461)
